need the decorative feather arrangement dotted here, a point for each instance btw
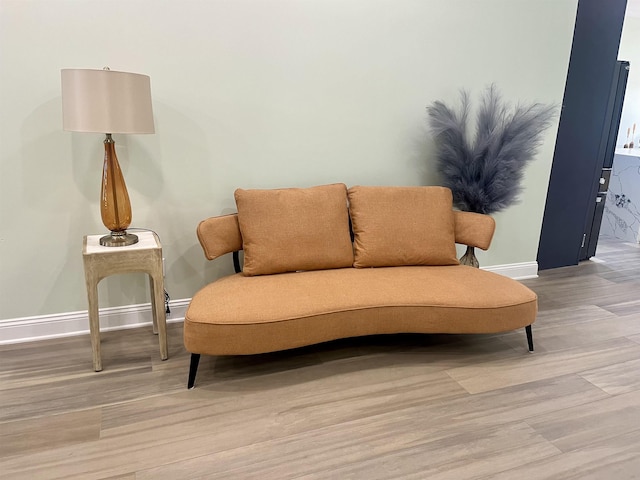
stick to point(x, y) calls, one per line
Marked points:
point(485, 176)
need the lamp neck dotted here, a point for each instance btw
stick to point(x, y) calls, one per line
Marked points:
point(108, 138)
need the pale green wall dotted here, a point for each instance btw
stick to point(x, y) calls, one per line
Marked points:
point(247, 93)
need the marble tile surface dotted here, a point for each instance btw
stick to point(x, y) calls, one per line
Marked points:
point(622, 208)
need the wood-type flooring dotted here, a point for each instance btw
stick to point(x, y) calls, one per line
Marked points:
point(404, 407)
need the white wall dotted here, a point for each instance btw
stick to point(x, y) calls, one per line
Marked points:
point(630, 50)
point(247, 93)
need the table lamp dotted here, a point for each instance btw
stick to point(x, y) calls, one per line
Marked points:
point(106, 101)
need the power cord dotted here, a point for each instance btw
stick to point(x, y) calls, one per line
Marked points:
point(167, 298)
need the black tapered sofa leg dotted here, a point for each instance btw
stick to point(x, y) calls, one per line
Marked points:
point(193, 369)
point(529, 337)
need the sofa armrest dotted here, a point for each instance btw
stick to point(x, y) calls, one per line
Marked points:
point(220, 235)
point(474, 229)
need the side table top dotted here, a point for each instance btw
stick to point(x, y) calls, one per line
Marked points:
point(146, 240)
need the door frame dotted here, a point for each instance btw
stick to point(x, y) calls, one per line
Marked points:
point(576, 167)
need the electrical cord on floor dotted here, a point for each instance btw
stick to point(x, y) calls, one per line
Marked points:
point(167, 298)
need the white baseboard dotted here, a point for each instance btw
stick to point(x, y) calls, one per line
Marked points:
point(43, 327)
point(517, 271)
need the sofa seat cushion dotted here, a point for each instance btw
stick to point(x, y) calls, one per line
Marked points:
point(238, 315)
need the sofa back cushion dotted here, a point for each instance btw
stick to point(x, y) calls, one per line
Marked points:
point(291, 229)
point(396, 226)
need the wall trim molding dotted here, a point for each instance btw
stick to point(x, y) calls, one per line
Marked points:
point(43, 327)
point(517, 271)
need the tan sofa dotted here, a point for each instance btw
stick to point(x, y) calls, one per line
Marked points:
point(326, 263)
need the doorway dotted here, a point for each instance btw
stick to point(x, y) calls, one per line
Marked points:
point(600, 205)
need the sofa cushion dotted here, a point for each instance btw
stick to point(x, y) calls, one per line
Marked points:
point(396, 226)
point(285, 230)
point(238, 315)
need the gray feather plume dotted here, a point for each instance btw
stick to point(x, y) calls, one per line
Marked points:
point(485, 175)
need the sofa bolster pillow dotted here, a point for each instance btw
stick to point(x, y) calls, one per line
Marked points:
point(219, 235)
point(474, 229)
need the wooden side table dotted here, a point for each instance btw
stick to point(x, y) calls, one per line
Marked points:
point(100, 262)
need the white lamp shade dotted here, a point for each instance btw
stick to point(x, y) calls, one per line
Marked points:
point(106, 101)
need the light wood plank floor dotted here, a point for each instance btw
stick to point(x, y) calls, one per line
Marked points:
point(406, 406)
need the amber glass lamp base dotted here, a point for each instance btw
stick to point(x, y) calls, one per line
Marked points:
point(115, 207)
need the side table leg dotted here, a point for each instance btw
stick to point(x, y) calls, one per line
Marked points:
point(159, 312)
point(153, 304)
point(94, 322)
